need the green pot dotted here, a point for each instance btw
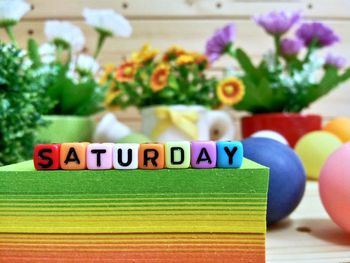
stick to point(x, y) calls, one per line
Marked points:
point(66, 129)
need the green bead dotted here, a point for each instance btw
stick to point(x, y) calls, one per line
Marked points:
point(177, 154)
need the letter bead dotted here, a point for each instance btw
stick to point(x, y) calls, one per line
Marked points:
point(177, 154)
point(229, 154)
point(47, 156)
point(73, 156)
point(126, 155)
point(151, 156)
point(99, 156)
point(203, 154)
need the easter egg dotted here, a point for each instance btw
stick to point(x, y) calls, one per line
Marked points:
point(271, 135)
point(314, 148)
point(339, 127)
point(334, 186)
point(134, 138)
point(287, 176)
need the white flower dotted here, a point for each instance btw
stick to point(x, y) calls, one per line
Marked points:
point(86, 63)
point(11, 11)
point(62, 32)
point(107, 21)
point(47, 53)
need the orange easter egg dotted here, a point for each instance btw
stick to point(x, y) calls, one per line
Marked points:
point(340, 127)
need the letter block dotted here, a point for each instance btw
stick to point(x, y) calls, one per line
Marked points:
point(178, 154)
point(47, 156)
point(126, 156)
point(229, 154)
point(99, 156)
point(151, 156)
point(73, 156)
point(203, 154)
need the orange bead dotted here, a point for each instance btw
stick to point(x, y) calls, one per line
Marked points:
point(151, 156)
point(73, 156)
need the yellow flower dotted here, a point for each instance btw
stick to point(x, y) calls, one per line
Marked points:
point(107, 70)
point(185, 59)
point(109, 99)
point(200, 59)
point(230, 91)
point(159, 77)
point(173, 52)
point(146, 54)
point(126, 72)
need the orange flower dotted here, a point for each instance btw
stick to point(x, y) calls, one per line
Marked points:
point(173, 52)
point(159, 77)
point(200, 59)
point(230, 91)
point(126, 72)
point(185, 60)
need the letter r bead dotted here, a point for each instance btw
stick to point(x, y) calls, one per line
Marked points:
point(230, 154)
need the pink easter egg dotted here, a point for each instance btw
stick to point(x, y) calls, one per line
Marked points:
point(334, 186)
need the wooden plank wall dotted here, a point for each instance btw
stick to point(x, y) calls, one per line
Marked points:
point(189, 23)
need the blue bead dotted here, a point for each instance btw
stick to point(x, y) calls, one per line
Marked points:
point(229, 154)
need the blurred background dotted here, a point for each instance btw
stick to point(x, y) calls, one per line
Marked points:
point(189, 24)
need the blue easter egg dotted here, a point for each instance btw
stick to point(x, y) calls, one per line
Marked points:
point(287, 175)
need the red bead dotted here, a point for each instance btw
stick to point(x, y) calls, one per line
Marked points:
point(47, 156)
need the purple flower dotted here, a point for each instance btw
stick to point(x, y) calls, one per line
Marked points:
point(218, 43)
point(334, 60)
point(291, 47)
point(316, 31)
point(277, 23)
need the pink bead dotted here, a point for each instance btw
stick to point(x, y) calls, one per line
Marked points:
point(334, 184)
point(99, 156)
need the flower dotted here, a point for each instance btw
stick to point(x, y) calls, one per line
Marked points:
point(185, 59)
point(108, 22)
point(159, 77)
point(11, 11)
point(47, 52)
point(173, 52)
point(334, 60)
point(277, 23)
point(291, 47)
point(230, 91)
point(200, 59)
point(86, 64)
point(146, 54)
point(65, 34)
point(316, 32)
point(126, 71)
point(219, 42)
point(108, 69)
point(109, 99)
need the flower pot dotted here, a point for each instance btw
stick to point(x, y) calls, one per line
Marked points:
point(291, 125)
point(182, 122)
point(66, 129)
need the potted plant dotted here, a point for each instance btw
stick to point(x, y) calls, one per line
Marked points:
point(173, 93)
point(72, 76)
point(286, 80)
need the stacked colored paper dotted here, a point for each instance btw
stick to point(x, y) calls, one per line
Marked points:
point(187, 215)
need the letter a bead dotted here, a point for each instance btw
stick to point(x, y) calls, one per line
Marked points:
point(229, 154)
point(99, 156)
point(177, 154)
point(126, 156)
point(203, 154)
point(47, 156)
point(73, 156)
point(151, 156)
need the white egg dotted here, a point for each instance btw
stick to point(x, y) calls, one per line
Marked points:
point(271, 135)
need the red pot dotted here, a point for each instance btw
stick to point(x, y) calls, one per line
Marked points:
point(291, 125)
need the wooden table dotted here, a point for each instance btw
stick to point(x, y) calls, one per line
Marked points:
point(308, 235)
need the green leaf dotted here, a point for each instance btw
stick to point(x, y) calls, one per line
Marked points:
point(247, 65)
point(33, 52)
